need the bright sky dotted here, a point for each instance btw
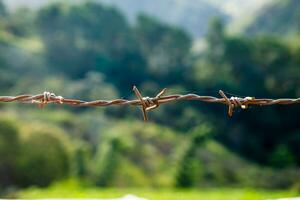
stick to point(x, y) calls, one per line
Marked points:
point(231, 7)
point(236, 8)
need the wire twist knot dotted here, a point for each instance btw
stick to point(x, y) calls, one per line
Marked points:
point(148, 103)
point(48, 97)
point(235, 102)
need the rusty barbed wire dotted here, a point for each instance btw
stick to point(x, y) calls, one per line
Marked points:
point(150, 103)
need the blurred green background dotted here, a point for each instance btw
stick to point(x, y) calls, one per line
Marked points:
point(189, 150)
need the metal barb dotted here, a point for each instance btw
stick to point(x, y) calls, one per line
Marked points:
point(228, 102)
point(147, 104)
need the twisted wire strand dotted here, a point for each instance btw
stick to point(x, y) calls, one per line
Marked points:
point(150, 103)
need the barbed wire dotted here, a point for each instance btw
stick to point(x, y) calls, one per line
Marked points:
point(150, 103)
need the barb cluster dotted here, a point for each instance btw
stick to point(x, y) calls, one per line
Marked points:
point(150, 103)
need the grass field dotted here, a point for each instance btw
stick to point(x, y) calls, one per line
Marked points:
point(71, 189)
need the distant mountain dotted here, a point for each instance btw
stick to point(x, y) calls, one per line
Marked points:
point(239, 8)
point(278, 18)
point(192, 15)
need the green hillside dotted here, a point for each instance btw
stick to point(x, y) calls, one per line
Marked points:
point(280, 17)
point(92, 51)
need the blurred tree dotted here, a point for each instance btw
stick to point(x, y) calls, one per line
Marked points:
point(188, 166)
point(91, 37)
point(110, 164)
point(166, 49)
point(261, 66)
point(216, 41)
point(186, 175)
point(3, 10)
point(44, 159)
point(211, 71)
point(269, 74)
point(98, 53)
point(3, 65)
point(137, 155)
point(82, 156)
point(21, 22)
point(277, 18)
point(281, 157)
point(9, 153)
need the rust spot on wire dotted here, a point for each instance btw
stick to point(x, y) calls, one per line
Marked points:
point(150, 103)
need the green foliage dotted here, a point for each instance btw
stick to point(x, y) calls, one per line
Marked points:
point(3, 11)
point(75, 189)
point(165, 48)
point(278, 18)
point(282, 157)
point(130, 155)
point(82, 156)
point(215, 39)
point(89, 51)
point(265, 63)
point(210, 164)
point(89, 30)
point(20, 23)
point(9, 152)
point(186, 175)
point(110, 164)
point(44, 158)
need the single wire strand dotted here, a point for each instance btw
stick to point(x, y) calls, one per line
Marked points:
point(150, 103)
